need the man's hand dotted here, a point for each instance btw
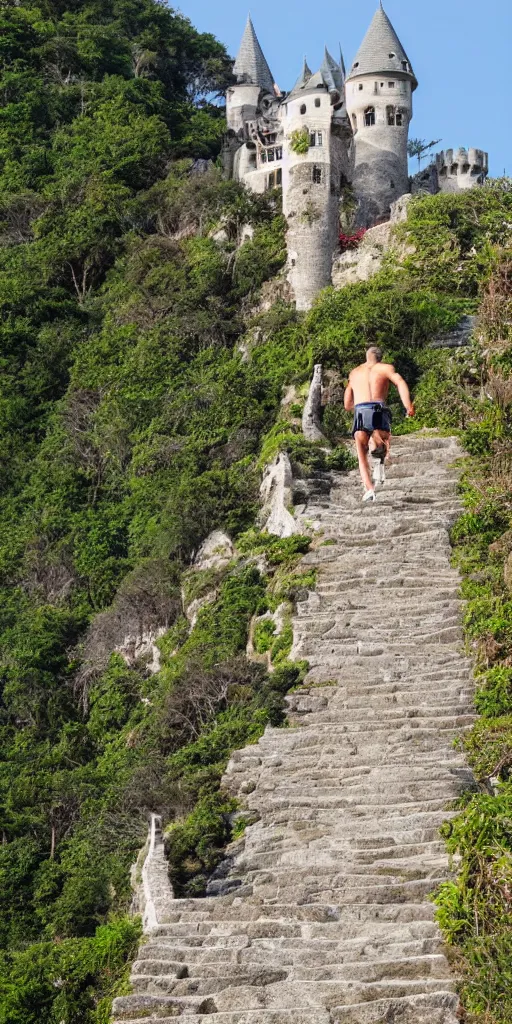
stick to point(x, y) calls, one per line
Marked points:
point(411, 411)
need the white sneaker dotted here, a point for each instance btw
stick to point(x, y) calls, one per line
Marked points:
point(369, 496)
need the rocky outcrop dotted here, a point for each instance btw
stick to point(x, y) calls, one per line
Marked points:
point(327, 917)
point(216, 552)
point(363, 263)
point(461, 336)
point(311, 418)
point(276, 494)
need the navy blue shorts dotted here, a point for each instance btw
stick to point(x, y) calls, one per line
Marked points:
point(370, 416)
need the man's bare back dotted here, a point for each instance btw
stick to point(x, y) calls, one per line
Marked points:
point(371, 383)
point(367, 393)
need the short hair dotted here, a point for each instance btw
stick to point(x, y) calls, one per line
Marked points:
point(375, 351)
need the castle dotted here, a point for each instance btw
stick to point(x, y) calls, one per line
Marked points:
point(335, 139)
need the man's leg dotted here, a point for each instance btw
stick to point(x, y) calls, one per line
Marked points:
point(362, 443)
point(381, 439)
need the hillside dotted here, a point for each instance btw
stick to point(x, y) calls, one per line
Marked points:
point(132, 425)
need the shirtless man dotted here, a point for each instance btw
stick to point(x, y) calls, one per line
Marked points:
point(367, 392)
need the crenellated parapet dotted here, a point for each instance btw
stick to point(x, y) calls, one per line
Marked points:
point(460, 169)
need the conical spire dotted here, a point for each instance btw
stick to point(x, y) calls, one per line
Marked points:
point(251, 65)
point(332, 73)
point(303, 78)
point(381, 50)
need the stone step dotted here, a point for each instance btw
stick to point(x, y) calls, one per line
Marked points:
point(203, 980)
point(293, 1016)
point(438, 1008)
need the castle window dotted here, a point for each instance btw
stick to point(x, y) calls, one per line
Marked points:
point(455, 169)
point(443, 172)
point(391, 115)
point(279, 154)
point(356, 65)
point(271, 182)
point(271, 138)
point(354, 122)
point(263, 156)
point(312, 139)
point(303, 108)
point(279, 177)
point(316, 139)
point(392, 56)
point(369, 117)
point(271, 155)
point(319, 139)
point(391, 85)
point(466, 169)
point(405, 65)
point(361, 87)
point(317, 175)
point(399, 118)
point(317, 102)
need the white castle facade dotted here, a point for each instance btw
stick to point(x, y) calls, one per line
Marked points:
point(334, 139)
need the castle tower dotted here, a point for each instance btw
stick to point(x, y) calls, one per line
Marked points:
point(461, 169)
point(253, 77)
point(315, 168)
point(379, 92)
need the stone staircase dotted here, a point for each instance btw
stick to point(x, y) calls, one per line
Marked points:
point(324, 915)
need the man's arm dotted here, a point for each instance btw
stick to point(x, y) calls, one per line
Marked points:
point(349, 397)
point(403, 390)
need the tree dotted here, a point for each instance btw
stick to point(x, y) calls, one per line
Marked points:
point(419, 148)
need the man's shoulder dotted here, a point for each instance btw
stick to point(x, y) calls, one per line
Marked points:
point(358, 369)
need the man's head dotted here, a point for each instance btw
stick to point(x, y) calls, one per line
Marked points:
point(374, 355)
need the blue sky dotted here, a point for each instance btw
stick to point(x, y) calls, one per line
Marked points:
point(460, 50)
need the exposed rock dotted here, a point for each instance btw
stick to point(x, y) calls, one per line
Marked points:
point(276, 494)
point(192, 610)
point(201, 166)
point(246, 234)
point(425, 182)
point(400, 209)
point(311, 427)
point(215, 553)
point(461, 335)
point(278, 289)
point(142, 648)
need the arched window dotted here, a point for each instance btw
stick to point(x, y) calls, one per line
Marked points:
point(317, 175)
point(392, 56)
point(303, 108)
point(455, 169)
point(317, 102)
point(369, 117)
point(361, 87)
point(466, 169)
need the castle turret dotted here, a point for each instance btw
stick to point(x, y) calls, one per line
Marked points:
point(461, 169)
point(379, 92)
point(253, 77)
point(315, 167)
